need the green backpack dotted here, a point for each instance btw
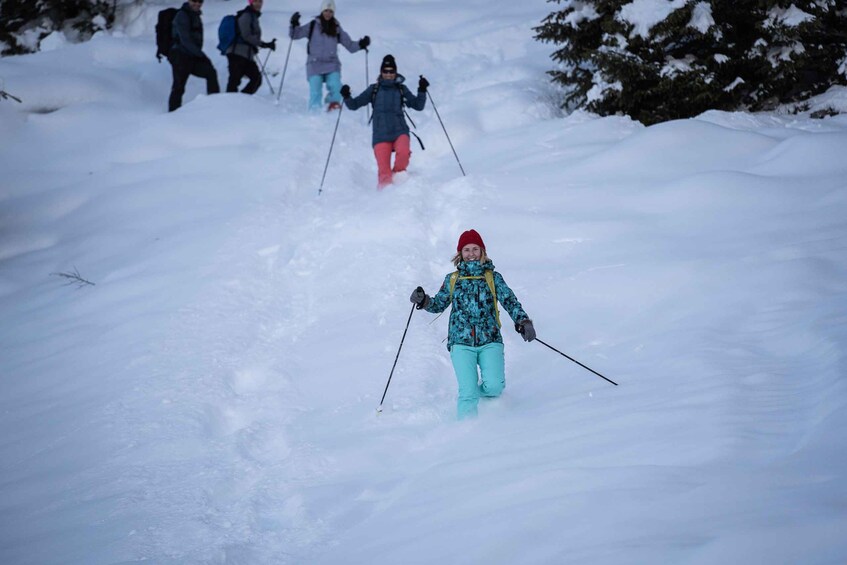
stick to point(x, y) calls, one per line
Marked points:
point(489, 278)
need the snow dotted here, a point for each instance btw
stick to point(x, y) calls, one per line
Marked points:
point(212, 397)
point(582, 11)
point(791, 16)
point(701, 17)
point(644, 14)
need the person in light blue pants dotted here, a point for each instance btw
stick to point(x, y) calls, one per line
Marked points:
point(474, 338)
point(333, 85)
point(492, 374)
point(324, 34)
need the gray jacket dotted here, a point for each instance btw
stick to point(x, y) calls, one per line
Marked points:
point(249, 34)
point(187, 31)
point(323, 49)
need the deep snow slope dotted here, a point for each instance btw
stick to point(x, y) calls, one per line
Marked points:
point(211, 398)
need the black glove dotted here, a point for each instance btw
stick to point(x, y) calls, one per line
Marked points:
point(345, 91)
point(419, 298)
point(295, 19)
point(269, 45)
point(526, 329)
point(423, 84)
point(364, 42)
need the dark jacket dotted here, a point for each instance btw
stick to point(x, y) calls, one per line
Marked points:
point(472, 319)
point(389, 123)
point(249, 34)
point(187, 32)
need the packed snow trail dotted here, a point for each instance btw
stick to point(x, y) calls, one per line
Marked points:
point(212, 399)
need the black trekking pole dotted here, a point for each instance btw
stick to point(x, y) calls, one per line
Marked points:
point(445, 133)
point(340, 109)
point(367, 78)
point(284, 69)
point(379, 408)
point(267, 79)
point(575, 361)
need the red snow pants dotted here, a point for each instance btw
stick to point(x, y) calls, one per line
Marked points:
point(382, 152)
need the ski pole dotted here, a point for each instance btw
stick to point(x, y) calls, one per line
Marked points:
point(367, 78)
point(340, 109)
point(267, 79)
point(285, 68)
point(575, 361)
point(445, 133)
point(379, 408)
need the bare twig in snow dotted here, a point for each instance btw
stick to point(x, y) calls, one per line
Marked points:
point(74, 278)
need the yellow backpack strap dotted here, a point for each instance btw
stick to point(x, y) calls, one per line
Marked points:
point(489, 278)
point(453, 278)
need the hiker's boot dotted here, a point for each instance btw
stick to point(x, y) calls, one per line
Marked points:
point(333, 106)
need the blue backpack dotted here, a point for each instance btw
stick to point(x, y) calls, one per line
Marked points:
point(228, 32)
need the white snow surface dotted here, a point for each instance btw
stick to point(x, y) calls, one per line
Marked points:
point(212, 397)
point(644, 14)
point(701, 17)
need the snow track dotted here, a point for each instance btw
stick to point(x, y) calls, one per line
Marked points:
point(212, 399)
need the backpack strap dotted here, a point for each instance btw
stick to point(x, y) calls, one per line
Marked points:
point(489, 278)
point(309, 44)
point(238, 15)
point(373, 100)
point(403, 107)
point(421, 142)
point(453, 276)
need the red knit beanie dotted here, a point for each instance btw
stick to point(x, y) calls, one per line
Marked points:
point(468, 237)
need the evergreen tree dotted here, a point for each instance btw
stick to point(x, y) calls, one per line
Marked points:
point(689, 56)
point(24, 23)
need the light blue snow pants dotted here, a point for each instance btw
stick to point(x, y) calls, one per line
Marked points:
point(333, 85)
point(492, 374)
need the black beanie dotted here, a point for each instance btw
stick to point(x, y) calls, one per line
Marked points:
point(388, 63)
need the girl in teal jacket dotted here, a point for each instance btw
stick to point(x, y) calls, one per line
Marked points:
point(473, 338)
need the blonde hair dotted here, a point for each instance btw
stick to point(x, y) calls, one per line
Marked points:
point(483, 257)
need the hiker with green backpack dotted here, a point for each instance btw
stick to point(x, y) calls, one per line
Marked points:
point(473, 337)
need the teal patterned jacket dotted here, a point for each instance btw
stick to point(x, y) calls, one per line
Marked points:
point(472, 319)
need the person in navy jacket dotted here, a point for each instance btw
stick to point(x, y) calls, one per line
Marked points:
point(389, 95)
point(186, 56)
